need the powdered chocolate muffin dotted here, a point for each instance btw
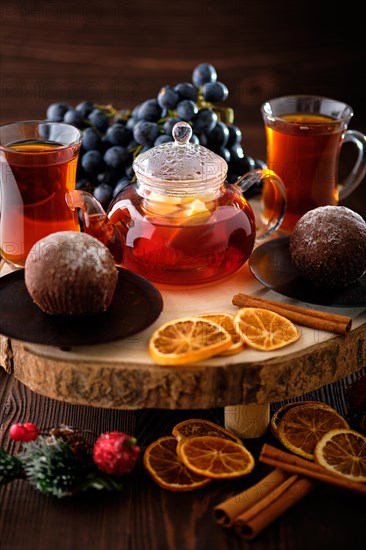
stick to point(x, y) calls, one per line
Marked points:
point(70, 273)
point(328, 245)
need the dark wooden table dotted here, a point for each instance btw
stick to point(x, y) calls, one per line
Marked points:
point(145, 517)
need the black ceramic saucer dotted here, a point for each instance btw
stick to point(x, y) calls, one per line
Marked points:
point(136, 304)
point(271, 264)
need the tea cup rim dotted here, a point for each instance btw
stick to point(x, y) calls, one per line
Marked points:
point(347, 109)
point(73, 143)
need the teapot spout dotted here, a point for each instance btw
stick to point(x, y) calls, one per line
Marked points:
point(96, 222)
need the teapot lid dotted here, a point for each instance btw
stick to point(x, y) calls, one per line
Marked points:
point(180, 161)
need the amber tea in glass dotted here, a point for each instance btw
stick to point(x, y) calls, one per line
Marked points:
point(304, 136)
point(38, 166)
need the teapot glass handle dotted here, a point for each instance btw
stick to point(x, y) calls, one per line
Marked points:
point(269, 211)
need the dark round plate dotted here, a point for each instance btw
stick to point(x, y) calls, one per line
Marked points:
point(271, 264)
point(136, 304)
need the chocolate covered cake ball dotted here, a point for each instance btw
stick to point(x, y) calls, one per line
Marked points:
point(328, 246)
point(70, 273)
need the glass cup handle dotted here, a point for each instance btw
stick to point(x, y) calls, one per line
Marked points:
point(358, 172)
point(270, 210)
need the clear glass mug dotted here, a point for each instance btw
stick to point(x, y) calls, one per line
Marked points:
point(304, 137)
point(38, 162)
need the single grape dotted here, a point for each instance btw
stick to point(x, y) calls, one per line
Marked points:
point(186, 90)
point(146, 132)
point(150, 110)
point(163, 138)
point(186, 109)
point(104, 194)
point(194, 139)
point(131, 123)
point(235, 135)
point(218, 136)
point(75, 118)
point(168, 97)
point(215, 92)
point(204, 73)
point(236, 151)
point(85, 108)
point(91, 139)
point(116, 156)
point(204, 121)
point(56, 111)
point(118, 134)
point(99, 119)
point(120, 186)
point(92, 161)
point(169, 124)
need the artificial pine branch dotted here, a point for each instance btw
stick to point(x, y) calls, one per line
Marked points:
point(10, 467)
point(51, 466)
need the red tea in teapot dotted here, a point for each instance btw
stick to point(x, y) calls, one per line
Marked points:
point(35, 177)
point(196, 247)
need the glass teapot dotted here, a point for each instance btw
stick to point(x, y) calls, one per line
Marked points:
point(181, 223)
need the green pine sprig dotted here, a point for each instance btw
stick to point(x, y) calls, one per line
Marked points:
point(10, 467)
point(51, 466)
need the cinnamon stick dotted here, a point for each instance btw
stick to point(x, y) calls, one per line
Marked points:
point(252, 522)
point(254, 509)
point(340, 324)
point(300, 466)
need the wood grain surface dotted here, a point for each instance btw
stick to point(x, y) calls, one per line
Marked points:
point(145, 517)
point(127, 385)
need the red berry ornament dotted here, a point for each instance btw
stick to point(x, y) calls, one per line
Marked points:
point(23, 432)
point(115, 453)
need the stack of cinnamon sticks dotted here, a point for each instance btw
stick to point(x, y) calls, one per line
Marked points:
point(253, 510)
point(292, 479)
point(312, 318)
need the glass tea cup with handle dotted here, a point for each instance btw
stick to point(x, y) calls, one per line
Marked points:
point(38, 161)
point(304, 135)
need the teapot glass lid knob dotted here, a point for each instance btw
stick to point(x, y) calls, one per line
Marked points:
point(182, 132)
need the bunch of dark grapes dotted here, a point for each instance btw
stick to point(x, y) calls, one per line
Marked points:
point(112, 139)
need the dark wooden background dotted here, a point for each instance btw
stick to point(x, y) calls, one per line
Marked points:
point(122, 52)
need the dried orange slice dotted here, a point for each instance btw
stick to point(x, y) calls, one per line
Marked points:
point(165, 468)
point(302, 427)
point(199, 427)
point(263, 329)
point(215, 457)
point(187, 340)
point(226, 321)
point(343, 452)
point(279, 413)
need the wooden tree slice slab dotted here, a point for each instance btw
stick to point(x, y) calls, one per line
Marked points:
point(121, 374)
